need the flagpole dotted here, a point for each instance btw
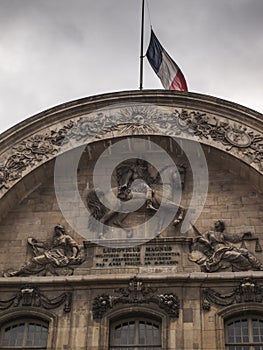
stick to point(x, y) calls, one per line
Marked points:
point(141, 55)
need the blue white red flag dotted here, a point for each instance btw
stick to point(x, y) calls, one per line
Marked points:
point(166, 69)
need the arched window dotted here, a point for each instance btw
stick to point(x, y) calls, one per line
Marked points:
point(24, 334)
point(244, 333)
point(136, 333)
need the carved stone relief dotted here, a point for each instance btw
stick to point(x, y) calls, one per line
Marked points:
point(233, 137)
point(216, 251)
point(201, 126)
point(132, 169)
point(247, 291)
point(136, 293)
point(29, 153)
point(60, 257)
point(150, 189)
point(31, 296)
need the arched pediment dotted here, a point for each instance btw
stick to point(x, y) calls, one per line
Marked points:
point(220, 124)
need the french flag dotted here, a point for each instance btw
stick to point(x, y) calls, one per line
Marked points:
point(166, 69)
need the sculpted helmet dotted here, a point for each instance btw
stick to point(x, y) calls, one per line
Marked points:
point(220, 225)
point(60, 228)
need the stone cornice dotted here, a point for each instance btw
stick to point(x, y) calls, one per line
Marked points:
point(106, 280)
point(86, 105)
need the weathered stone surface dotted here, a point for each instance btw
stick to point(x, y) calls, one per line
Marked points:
point(29, 208)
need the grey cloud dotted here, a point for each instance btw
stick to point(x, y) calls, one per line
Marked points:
point(52, 51)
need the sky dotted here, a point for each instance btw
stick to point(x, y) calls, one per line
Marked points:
point(54, 51)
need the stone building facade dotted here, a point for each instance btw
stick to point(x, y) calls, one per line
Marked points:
point(133, 220)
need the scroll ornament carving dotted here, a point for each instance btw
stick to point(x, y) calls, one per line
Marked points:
point(31, 296)
point(230, 135)
point(44, 146)
point(140, 121)
point(128, 121)
point(133, 121)
point(101, 305)
point(248, 142)
point(36, 149)
point(59, 257)
point(170, 303)
point(247, 291)
point(136, 293)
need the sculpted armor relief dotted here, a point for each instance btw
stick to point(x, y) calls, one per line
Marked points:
point(150, 189)
point(214, 251)
point(137, 180)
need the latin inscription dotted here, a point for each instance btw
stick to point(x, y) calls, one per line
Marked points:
point(137, 256)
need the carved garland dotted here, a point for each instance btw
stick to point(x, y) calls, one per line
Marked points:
point(133, 121)
point(247, 291)
point(136, 293)
point(248, 142)
point(30, 152)
point(31, 296)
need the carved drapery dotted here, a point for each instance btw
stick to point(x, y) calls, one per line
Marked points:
point(216, 250)
point(247, 291)
point(136, 293)
point(31, 296)
point(58, 257)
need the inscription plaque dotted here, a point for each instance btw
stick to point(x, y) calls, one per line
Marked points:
point(158, 252)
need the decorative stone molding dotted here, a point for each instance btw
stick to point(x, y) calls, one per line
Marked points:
point(247, 291)
point(31, 152)
point(136, 293)
point(101, 305)
point(241, 140)
point(170, 303)
point(246, 142)
point(31, 296)
point(222, 125)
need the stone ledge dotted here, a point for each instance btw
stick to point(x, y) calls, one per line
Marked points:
point(104, 280)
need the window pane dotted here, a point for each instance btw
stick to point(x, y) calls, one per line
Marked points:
point(257, 330)
point(124, 334)
point(244, 334)
point(24, 335)
point(237, 332)
point(142, 339)
point(13, 335)
point(137, 334)
point(149, 333)
point(132, 333)
point(37, 335)
point(230, 333)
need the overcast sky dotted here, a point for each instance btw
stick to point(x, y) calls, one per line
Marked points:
point(53, 51)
